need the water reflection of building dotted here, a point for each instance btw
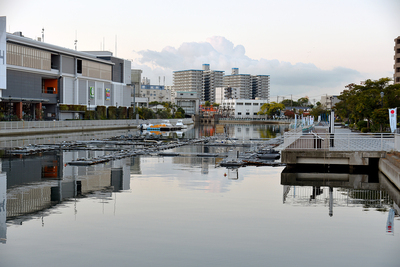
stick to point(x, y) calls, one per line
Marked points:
point(48, 180)
point(254, 131)
point(336, 189)
point(22, 140)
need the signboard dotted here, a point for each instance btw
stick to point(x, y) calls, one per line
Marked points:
point(3, 53)
point(91, 92)
point(108, 94)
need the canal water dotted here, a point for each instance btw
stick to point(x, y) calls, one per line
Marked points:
point(187, 211)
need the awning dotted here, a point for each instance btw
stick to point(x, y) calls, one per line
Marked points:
point(23, 99)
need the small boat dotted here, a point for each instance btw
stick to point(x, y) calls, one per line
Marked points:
point(232, 163)
point(268, 154)
point(166, 123)
point(179, 123)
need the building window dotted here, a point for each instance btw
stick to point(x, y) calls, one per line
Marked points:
point(79, 66)
point(255, 113)
point(239, 113)
point(239, 104)
point(255, 104)
point(248, 104)
point(247, 113)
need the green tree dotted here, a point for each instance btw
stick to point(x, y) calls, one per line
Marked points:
point(359, 102)
point(207, 104)
point(271, 109)
point(318, 110)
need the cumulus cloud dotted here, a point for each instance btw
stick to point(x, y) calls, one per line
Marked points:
point(286, 78)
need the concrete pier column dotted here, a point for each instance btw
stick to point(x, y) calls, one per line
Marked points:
point(18, 109)
point(38, 111)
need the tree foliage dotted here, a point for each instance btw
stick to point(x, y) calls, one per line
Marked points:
point(364, 102)
point(271, 109)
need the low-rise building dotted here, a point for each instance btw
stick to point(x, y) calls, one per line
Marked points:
point(155, 93)
point(40, 77)
point(329, 101)
point(241, 108)
point(188, 101)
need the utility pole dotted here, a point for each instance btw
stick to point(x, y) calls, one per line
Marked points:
point(291, 100)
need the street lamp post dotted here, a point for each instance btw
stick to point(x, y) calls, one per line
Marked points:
point(9, 109)
point(89, 108)
point(58, 109)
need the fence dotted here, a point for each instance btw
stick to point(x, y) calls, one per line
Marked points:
point(296, 140)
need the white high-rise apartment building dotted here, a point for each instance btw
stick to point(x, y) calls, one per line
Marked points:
point(250, 86)
point(188, 81)
point(260, 87)
point(235, 86)
point(396, 75)
point(203, 82)
point(211, 80)
point(240, 81)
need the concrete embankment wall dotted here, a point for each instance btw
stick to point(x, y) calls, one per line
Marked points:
point(35, 128)
point(390, 166)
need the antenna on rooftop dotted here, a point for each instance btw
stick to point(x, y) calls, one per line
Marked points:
point(42, 34)
point(76, 40)
point(104, 41)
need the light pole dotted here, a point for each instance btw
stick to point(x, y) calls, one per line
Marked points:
point(9, 109)
point(89, 108)
point(58, 109)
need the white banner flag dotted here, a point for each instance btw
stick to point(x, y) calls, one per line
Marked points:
point(393, 119)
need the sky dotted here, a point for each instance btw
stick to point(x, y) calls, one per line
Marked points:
point(309, 47)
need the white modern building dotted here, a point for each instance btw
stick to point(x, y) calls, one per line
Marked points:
point(241, 108)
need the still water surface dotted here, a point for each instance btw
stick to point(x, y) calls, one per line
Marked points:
point(185, 211)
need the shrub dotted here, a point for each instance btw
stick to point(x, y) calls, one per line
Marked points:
point(362, 124)
point(101, 112)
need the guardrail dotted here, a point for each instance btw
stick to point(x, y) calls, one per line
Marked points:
point(294, 140)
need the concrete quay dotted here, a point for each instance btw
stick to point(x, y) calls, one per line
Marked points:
point(21, 128)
